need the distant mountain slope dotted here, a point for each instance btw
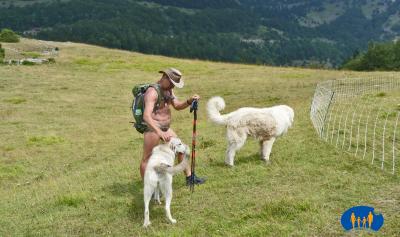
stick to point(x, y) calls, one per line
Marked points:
point(323, 32)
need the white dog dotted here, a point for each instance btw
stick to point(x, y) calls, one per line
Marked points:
point(159, 172)
point(265, 124)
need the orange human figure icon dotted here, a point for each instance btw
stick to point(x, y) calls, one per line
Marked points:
point(353, 219)
point(364, 220)
point(370, 219)
point(358, 222)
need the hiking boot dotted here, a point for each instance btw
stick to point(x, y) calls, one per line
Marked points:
point(193, 179)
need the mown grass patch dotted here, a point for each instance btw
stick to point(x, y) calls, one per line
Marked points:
point(71, 200)
point(384, 115)
point(8, 148)
point(381, 94)
point(44, 140)
point(15, 100)
point(9, 171)
point(31, 54)
point(206, 142)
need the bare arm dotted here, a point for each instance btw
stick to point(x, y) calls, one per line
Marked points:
point(180, 105)
point(150, 99)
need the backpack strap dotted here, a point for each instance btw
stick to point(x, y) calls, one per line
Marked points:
point(160, 96)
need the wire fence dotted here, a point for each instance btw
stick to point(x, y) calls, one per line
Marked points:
point(361, 116)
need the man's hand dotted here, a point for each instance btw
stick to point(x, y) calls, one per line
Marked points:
point(194, 97)
point(165, 136)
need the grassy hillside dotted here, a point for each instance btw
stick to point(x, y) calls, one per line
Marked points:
point(69, 159)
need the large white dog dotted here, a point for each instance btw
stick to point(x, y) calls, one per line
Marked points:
point(265, 124)
point(159, 172)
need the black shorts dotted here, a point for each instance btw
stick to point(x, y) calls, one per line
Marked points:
point(163, 128)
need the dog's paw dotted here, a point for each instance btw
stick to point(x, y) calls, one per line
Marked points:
point(173, 221)
point(230, 165)
point(146, 224)
point(266, 161)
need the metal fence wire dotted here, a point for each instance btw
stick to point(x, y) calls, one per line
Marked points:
point(361, 116)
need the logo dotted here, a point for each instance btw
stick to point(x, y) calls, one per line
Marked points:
point(138, 112)
point(361, 218)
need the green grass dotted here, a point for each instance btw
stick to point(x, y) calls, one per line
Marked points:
point(15, 100)
point(69, 158)
point(31, 54)
point(44, 140)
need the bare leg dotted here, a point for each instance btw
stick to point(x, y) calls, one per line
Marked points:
point(267, 148)
point(151, 139)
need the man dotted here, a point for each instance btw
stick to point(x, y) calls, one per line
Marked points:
point(158, 116)
point(353, 219)
point(370, 219)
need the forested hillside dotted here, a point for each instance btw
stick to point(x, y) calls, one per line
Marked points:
point(311, 33)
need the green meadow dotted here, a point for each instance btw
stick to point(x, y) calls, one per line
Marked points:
point(69, 158)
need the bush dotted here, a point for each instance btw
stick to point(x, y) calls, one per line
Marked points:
point(51, 60)
point(9, 36)
point(379, 56)
point(28, 63)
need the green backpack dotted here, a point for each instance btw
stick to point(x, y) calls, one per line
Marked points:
point(138, 104)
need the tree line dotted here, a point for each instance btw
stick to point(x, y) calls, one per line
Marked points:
point(220, 30)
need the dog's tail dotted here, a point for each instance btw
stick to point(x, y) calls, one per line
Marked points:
point(214, 105)
point(164, 168)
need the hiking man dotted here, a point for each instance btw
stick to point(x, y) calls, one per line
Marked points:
point(157, 116)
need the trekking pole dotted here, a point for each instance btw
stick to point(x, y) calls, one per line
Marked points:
point(193, 108)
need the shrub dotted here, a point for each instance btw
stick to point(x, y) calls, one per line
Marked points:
point(379, 56)
point(51, 60)
point(9, 36)
point(27, 63)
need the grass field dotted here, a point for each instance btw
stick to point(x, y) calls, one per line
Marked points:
point(69, 159)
